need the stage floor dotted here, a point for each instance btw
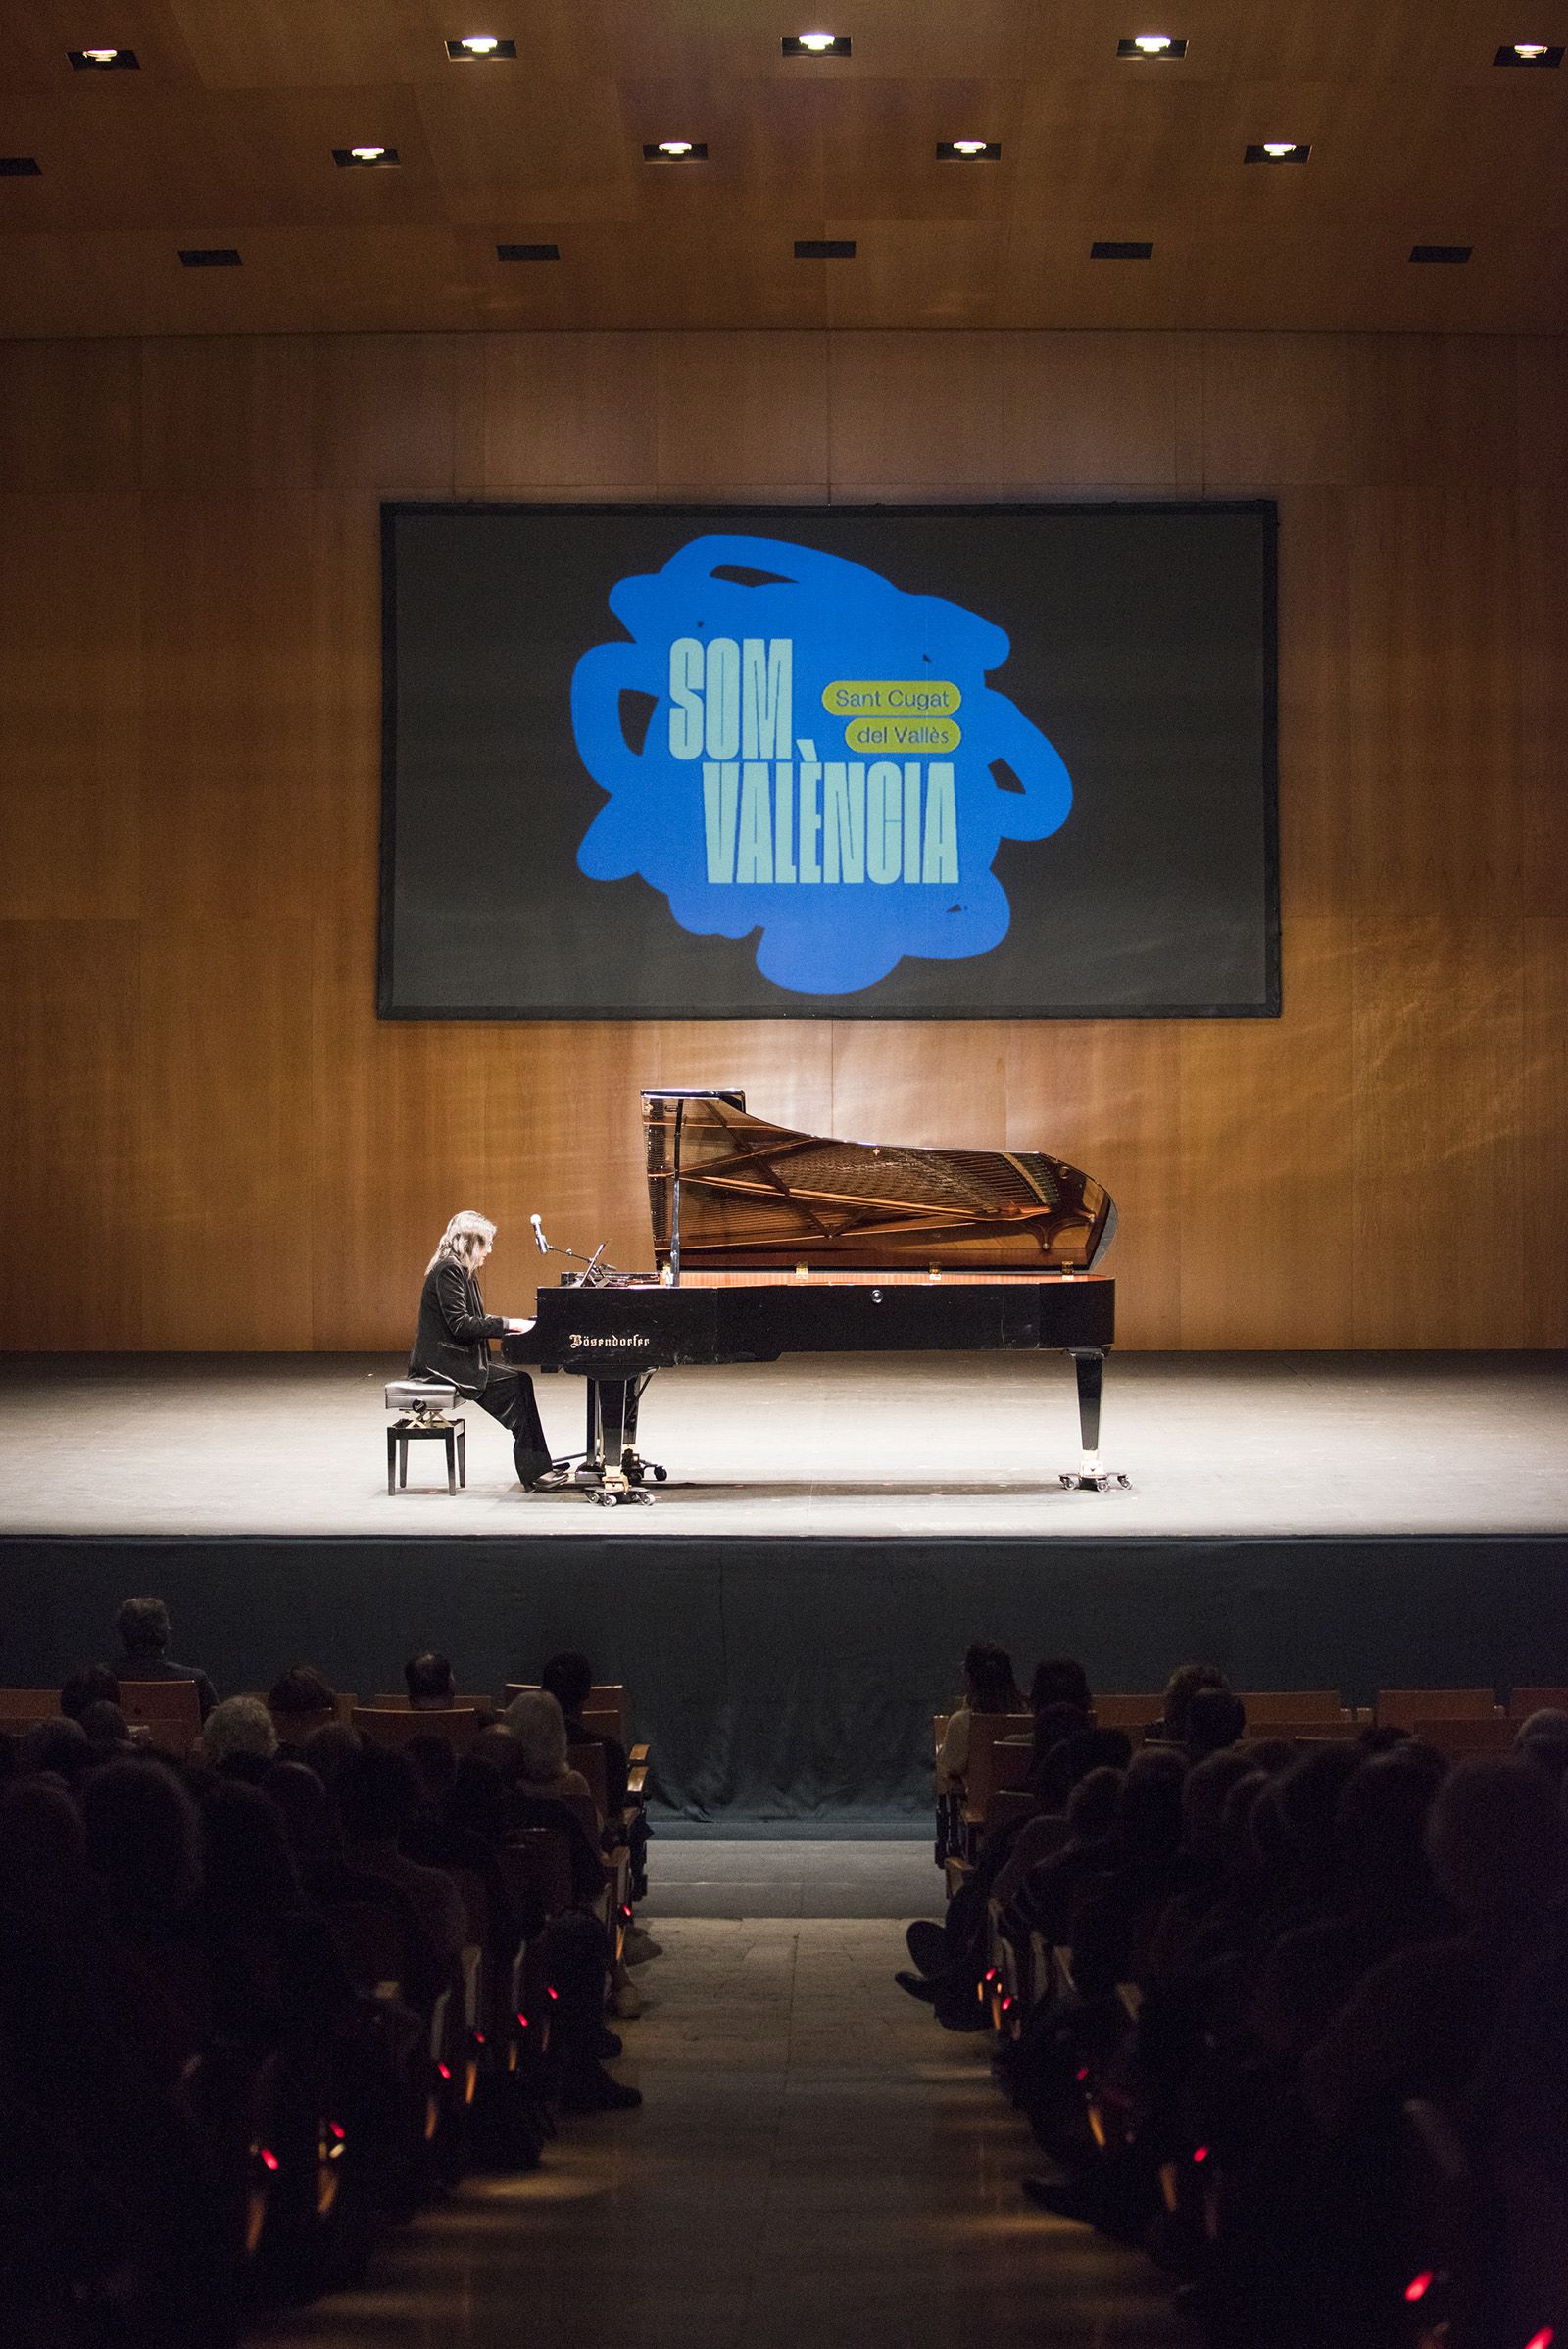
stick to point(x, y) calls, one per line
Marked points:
point(914, 1448)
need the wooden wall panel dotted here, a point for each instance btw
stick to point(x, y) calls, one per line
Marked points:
point(70, 687)
point(190, 787)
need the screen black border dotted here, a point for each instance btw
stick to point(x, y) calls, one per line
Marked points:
point(1267, 511)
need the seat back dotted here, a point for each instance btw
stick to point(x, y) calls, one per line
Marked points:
point(170, 1711)
point(370, 1941)
point(1403, 1708)
point(540, 1858)
point(1127, 1712)
point(590, 1760)
point(996, 1766)
point(1525, 1701)
point(392, 1725)
point(1459, 1738)
point(1295, 1706)
point(24, 1708)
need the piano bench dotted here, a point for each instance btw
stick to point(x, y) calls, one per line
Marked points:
point(452, 1433)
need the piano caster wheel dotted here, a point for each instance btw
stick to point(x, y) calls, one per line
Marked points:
point(661, 1476)
point(1101, 1479)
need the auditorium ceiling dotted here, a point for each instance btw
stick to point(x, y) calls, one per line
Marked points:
point(220, 141)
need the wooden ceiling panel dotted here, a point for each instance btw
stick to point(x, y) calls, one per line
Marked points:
point(529, 149)
point(224, 138)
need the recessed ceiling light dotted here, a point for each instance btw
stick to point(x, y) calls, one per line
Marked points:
point(103, 61)
point(1107, 249)
point(824, 248)
point(527, 252)
point(368, 159)
point(968, 150)
point(1278, 150)
point(481, 45)
point(817, 44)
point(19, 166)
point(1152, 44)
point(209, 257)
point(676, 150)
point(1440, 252)
point(1530, 53)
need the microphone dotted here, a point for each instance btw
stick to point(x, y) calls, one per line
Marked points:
point(539, 1240)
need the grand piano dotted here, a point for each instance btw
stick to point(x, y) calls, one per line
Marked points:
point(768, 1241)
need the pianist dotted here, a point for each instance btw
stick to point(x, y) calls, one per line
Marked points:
point(453, 1343)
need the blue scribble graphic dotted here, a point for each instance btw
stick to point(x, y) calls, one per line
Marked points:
point(749, 805)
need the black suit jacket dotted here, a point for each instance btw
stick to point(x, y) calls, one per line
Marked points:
point(452, 1340)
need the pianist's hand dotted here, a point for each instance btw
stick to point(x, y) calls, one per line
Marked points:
point(519, 1329)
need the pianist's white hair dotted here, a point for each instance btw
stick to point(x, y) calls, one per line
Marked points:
point(463, 1235)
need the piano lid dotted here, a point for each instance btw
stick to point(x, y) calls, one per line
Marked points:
point(762, 1196)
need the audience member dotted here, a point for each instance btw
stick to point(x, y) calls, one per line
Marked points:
point(430, 1684)
point(238, 1738)
point(988, 1687)
point(145, 1630)
point(1180, 1689)
point(537, 1723)
point(378, 1797)
point(1215, 1719)
point(93, 1684)
point(301, 1700)
point(59, 1748)
point(106, 1728)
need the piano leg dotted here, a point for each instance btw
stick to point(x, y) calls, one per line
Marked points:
point(615, 1410)
point(1089, 1363)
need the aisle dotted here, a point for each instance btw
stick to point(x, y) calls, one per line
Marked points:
point(816, 2167)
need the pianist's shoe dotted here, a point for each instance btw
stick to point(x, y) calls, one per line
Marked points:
point(554, 1480)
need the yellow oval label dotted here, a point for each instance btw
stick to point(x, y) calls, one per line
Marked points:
point(904, 737)
point(891, 697)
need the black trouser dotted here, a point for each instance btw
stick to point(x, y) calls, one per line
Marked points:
point(508, 1396)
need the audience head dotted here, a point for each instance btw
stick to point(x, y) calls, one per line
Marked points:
point(429, 1682)
point(330, 1749)
point(1055, 1722)
point(1543, 1740)
point(1059, 1679)
point(300, 1700)
point(1381, 1737)
point(536, 1721)
point(436, 1766)
point(238, 1734)
point(1148, 1811)
point(1271, 1755)
point(1379, 1829)
point(378, 1795)
point(1293, 1824)
point(1074, 1757)
point(477, 1801)
point(106, 1728)
point(1235, 1818)
point(144, 1627)
point(249, 1865)
point(1205, 1790)
point(497, 1747)
point(1215, 1719)
point(568, 1678)
point(59, 1747)
point(988, 1681)
point(1093, 1804)
point(1495, 1838)
point(305, 1807)
point(1180, 1689)
point(143, 1836)
point(43, 1847)
point(92, 1685)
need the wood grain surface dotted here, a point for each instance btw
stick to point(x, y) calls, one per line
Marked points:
point(210, 1142)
